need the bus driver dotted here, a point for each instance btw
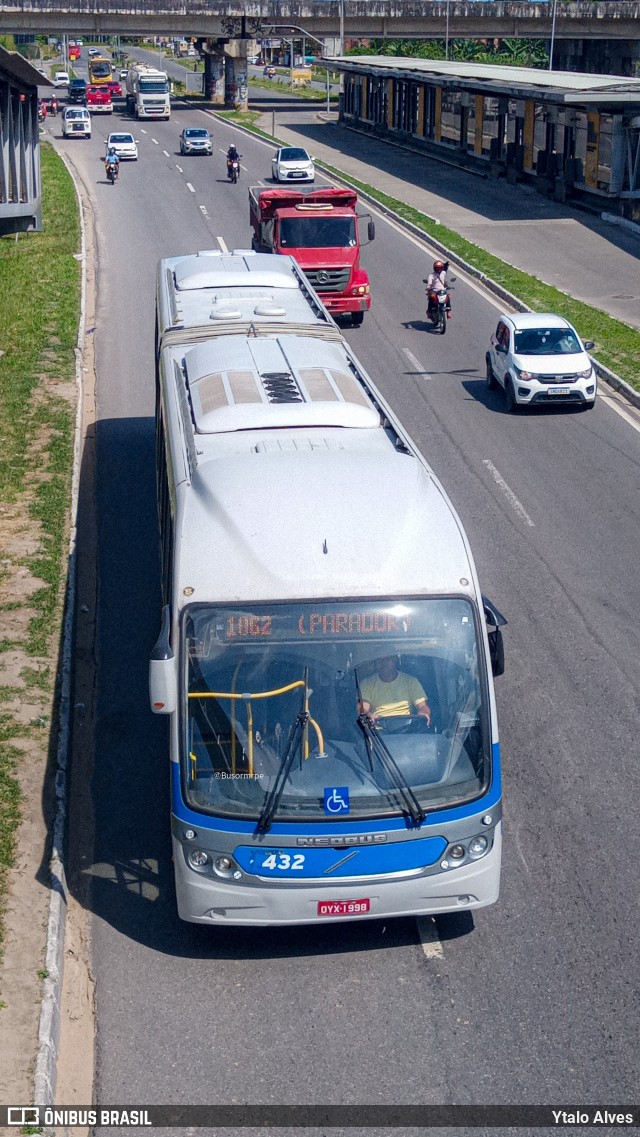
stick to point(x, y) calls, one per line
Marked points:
point(392, 693)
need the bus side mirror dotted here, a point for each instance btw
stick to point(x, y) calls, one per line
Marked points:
point(371, 230)
point(495, 621)
point(163, 694)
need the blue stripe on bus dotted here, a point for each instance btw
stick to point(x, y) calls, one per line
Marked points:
point(381, 825)
point(370, 860)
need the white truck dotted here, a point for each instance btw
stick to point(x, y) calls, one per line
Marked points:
point(148, 92)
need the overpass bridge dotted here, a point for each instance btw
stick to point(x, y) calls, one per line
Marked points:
point(326, 19)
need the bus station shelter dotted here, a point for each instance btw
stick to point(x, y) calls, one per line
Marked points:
point(573, 135)
point(20, 187)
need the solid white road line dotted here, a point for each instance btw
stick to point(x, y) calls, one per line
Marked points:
point(429, 938)
point(508, 493)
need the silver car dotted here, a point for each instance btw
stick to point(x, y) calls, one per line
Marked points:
point(195, 140)
point(539, 358)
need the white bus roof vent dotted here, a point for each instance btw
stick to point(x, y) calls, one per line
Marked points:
point(225, 312)
point(267, 309)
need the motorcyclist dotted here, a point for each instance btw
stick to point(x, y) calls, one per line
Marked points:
point(232, 156)
point(42, 110)
point(53, 105)
point(437, 282)
point(112, 159)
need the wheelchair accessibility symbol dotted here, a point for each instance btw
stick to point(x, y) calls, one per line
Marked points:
point(336, 799)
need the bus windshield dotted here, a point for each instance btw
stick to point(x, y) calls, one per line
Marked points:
point(328, 693)
point(99, 70)
point(318, 232)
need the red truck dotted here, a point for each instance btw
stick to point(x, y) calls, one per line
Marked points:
point(98, 100)
point(320, 229)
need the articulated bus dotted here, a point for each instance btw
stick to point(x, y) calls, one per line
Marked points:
point(100, 70)
point(325, 655)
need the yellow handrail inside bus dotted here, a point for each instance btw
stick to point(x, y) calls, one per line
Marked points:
point(247, 696)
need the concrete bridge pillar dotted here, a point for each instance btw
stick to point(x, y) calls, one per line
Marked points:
point(236, 76)
point(214, 74)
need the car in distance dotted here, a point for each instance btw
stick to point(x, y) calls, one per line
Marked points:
point(77, 92)
point(61, 79)
point(76, 122)
point(123, 72)
point(292, 164)
point(116, 88)
point(538, 358)
point(195, 140)
point(124, 145)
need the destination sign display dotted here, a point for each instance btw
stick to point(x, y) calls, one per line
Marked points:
point(336, 621)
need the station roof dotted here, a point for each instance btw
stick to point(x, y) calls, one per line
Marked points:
point(19, 68)
point(564, 87)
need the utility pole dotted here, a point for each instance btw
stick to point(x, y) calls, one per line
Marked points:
point(553, 34)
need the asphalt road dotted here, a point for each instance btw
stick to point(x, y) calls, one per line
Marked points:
point(532, 1001)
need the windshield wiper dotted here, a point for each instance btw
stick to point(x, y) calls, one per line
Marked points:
point(296, 735)
point(378, 747)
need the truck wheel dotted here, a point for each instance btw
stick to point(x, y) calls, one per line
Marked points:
point(357, 318)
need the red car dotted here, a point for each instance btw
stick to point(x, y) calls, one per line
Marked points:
point(99, 100)
point(115, 88)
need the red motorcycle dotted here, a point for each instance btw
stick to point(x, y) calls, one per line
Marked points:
point(233, 168)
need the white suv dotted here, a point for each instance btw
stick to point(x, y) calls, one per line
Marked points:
point(539, 358)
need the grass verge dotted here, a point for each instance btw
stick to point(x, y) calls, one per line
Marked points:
point(40, 303)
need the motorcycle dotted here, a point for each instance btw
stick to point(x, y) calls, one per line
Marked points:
point(437, 309)
point(42, 112)
point(233, 168)
point(113, 170)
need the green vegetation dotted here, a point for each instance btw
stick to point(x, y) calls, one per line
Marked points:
point(507, 52)
point(39, 300)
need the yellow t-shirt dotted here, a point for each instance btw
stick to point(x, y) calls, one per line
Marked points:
point(396, 697)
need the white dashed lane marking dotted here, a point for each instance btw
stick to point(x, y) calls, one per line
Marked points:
point(508, 493)
point(416, 364)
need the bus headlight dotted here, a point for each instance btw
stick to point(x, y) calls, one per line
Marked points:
point(198, 859)
point(226, 867)
point(457, 852)
point(478, 847)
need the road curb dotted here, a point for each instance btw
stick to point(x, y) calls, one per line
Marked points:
point(50, 1011)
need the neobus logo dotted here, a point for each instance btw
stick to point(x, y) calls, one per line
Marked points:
point(341, 842)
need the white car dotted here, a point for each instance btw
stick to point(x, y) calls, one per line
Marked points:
point(61, 79)
point(76, 123)
point(292, 164)
point(538, 358)
point(124, 144)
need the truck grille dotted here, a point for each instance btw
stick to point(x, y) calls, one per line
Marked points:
point(328, 279)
